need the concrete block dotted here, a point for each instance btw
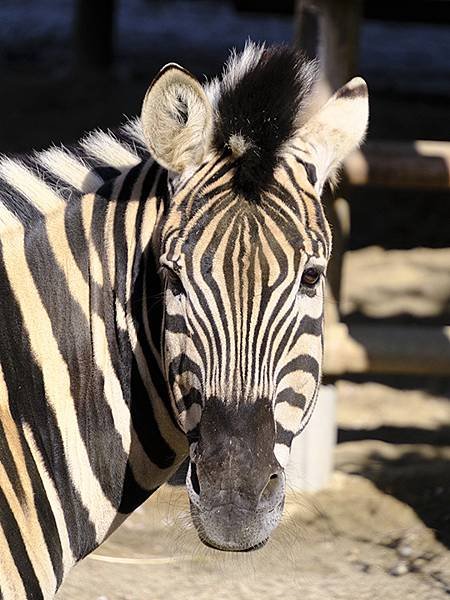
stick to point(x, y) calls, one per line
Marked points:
point(311, 462)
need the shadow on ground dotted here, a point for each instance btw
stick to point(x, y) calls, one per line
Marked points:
point(412, 475)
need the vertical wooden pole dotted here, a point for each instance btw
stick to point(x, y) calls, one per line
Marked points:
point(307, 29)
point(329, 30)
point(93, 33)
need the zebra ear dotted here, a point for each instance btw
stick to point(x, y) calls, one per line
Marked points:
point(176, 119)
point(337, 128)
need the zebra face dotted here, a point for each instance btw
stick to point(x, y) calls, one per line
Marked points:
point(243, 248)
point(243, 343)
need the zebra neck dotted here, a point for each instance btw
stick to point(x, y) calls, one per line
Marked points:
point(86, 431)
point(131, 299)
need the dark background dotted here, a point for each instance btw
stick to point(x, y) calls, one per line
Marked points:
point(50, 93)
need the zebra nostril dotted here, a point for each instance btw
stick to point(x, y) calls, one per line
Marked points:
point(194, 479)
point(271, 488)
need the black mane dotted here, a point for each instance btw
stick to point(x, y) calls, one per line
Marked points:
point(262, 105)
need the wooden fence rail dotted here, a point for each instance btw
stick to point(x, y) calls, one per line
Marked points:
point(419, 164)
point(379, 348)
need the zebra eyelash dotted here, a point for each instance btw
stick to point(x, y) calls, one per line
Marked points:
point(174, 280)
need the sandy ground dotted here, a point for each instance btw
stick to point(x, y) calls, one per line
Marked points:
point(323, 550)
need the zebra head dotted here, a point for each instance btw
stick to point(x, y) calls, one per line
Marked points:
point(243, 247)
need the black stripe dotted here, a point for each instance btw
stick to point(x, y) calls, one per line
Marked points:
point(311, 171)
point(133, 494)
point(153, 173)
point(284, 436)
point(9, 464)
point(18, 551)
point(194, 396)
point(146, 425)
point(45, 515)
point(281, 348)
point(73, 224)
point(106, 173)
point(293, 398)
point(304, 363)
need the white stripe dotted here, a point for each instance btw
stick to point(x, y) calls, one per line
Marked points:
point(70, 169)
point(40, 195)
point(7, 219)
point(109, 151)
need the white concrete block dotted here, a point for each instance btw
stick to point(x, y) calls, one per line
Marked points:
point(311, 461)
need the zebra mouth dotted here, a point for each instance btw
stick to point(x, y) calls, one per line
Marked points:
point(232, 532)
point(223, 548)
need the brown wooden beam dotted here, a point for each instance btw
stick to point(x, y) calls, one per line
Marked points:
point(379, 348)
point(418, 164)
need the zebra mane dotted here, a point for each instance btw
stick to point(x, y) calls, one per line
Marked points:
point(259, 103)
point(38, 183)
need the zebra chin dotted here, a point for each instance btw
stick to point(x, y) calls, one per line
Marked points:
point(230, 521)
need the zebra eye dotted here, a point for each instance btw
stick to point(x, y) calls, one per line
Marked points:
point(176, 285)
point(310, 277)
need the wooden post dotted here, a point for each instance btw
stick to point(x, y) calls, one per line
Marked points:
point(418, 164)
point(93, 33)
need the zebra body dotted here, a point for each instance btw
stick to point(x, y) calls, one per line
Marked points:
point(75, 349)
point(152, 308)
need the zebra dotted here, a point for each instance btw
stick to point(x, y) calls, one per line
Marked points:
point(162, 292)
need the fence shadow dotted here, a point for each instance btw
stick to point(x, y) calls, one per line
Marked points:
point(423, 484)
point(417, 480)
point(398, 435)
